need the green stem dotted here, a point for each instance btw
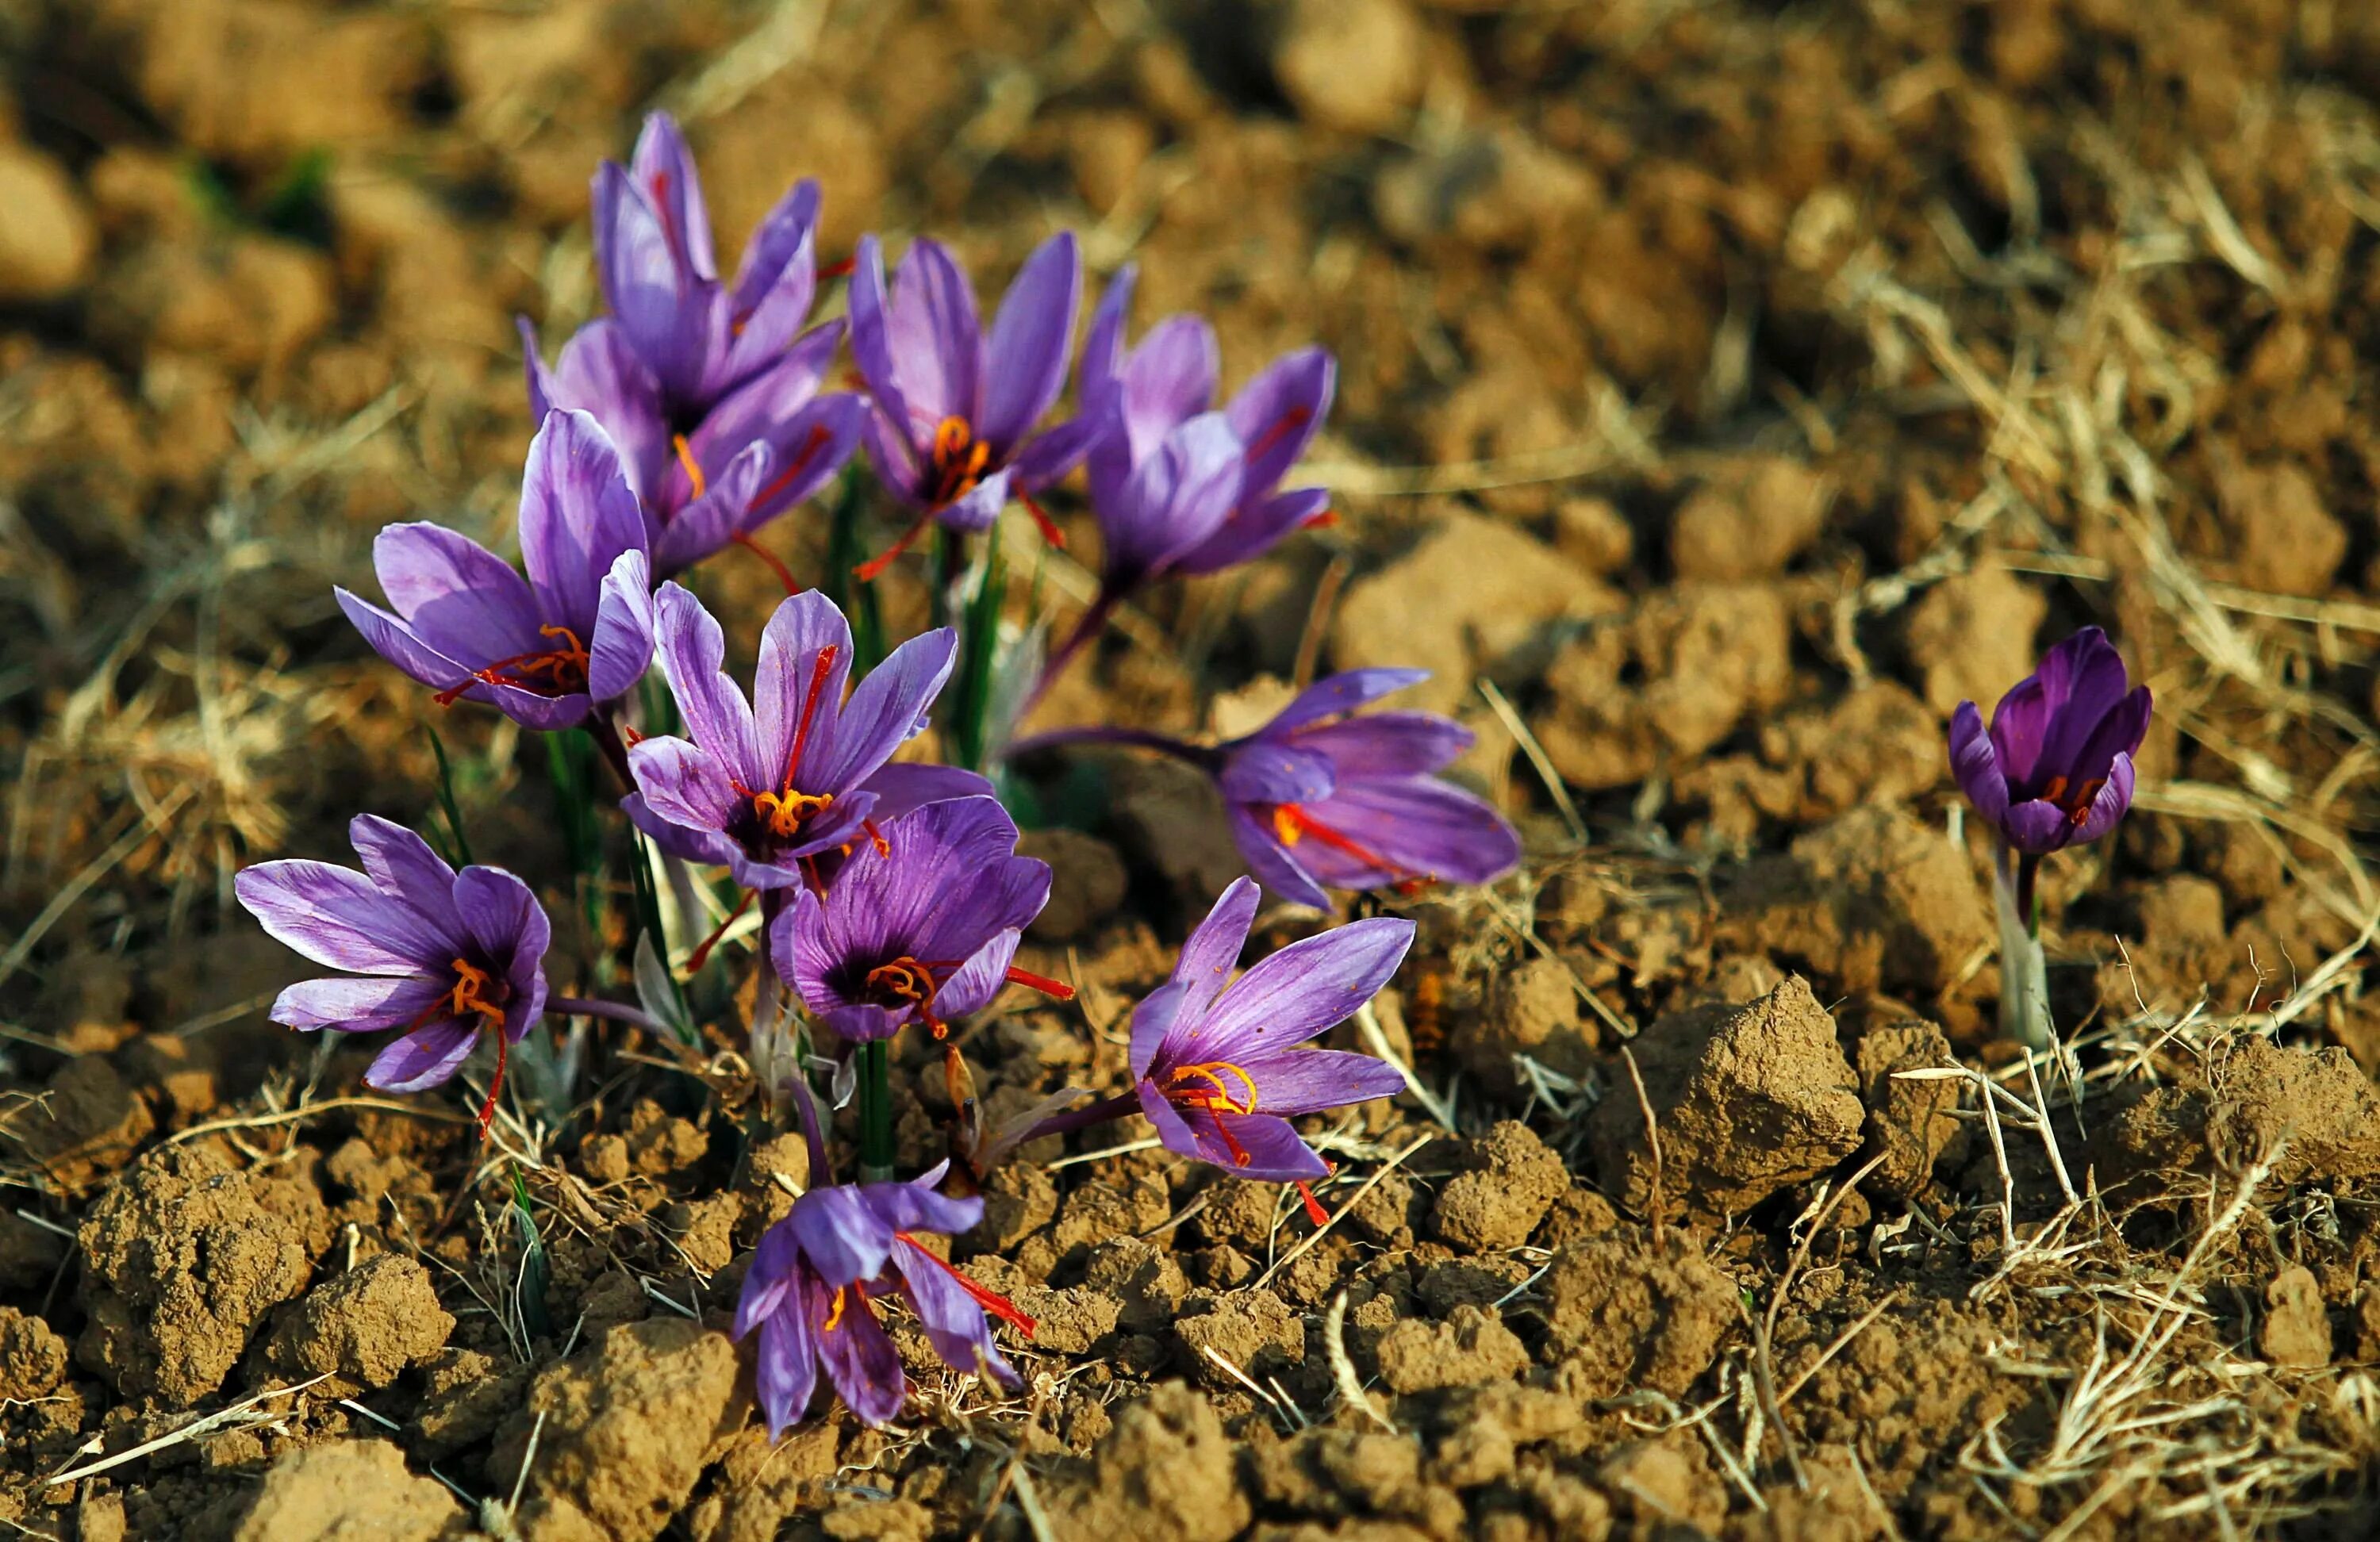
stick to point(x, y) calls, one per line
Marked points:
point(876, 1148)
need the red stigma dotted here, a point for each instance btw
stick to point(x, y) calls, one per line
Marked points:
point(775, 564)
point(1049, 527)
point(1322, 521)
point(1292, 824)
point(783, 480)
point(1044, 983)
point(1313, 1210)
point(1281, 427)
point(701, 956)
point(991, 1301)
point(867, 572)
point(548, 672)
point(839, 270)
point(818, 673)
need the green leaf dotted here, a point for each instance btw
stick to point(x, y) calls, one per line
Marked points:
point(536, 1270)
point(446, 798)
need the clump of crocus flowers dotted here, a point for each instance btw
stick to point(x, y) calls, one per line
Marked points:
point(2053, 771)
point(891, 894)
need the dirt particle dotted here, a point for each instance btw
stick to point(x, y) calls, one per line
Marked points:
point(48, 241)
point(1468, 1349)
point(1750, 524)
point(1531, 1010)
point(629, 1426)
point(2256, 1094)
point(1147, 1279)
point(348, 1491)
point(660, 1142)
point(2283, 540)
point(1087, 883)
point(1593, 533)
point(1749, 1100)
point(1253, 1329)
point(1622, 1311)
point(1500, 1203)
point(186, 1263)
point(1971, 635)
point(361, 1329)
point(465, 1395)
point(1911, 1123)
point(2296, 1329)
point(86, 1123)
point(878, 1521)
point(1665, 1484)
point(1351, 65)
point(33, 1358)
point(1165, 1471)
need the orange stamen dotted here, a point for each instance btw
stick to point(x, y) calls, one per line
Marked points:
point(876, 838)
point(687, 464)
point(1044, 983)
point(564, 668)
point(701, 956)
point(630, 737)
point(835, 1308)
point(776, 565)
point(959, 459)
point(1049, 527)
point(991, 1301)
point(1216, 1094)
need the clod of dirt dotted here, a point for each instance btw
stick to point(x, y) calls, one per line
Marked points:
point(1593, 533)
point(33, 1358)
point(1748, 524)
point(1666, 1484)
point(1253, 1329)
point(1469, 1349)
point(1621, 1311)
point(878, 1521)
point(1911, 1123)
point(1971, 635)
point(1664, 682)
point(1086, 882)
point(1747, 1100)
point(1531, 1010)
point(185, 1261)
point(464, 1396)
point(2258, 1097)
point(1147, 1279)
point(1473, 592)
point(1171, 820)
point(2282, 540)
point(362, 1329)
point(349, 1491)
point(1353, 65)
point(629, 1426)
point(762, 1482)
point(86, 1123)
point(1340, 1475)
point(660, 1142)
point(29, 1254)
point(2296, 1329)
point(1498, 1204)
point(1872, 900)
point(1164, 1472)
point(48, 241)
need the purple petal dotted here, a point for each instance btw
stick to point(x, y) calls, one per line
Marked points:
point(785, 1369)
point(805, 663)
point(1306, 1081)
point(1051, 454)
point(894, 458)
point(1212, 950)
point(348, 1004)
point(454, 594)
point(503, 917)
point(664, 170)
point(1270, 861)
point(872, 349)
point(2091, 675)
point(803, 953)
point(1153, 1023)
point(543, 391)
point(1416, 828)
point(600, 372)
point(973, 511)
point(2110, 804)
point(423, 1058)
point(1031, 337)
point(761, 408)
point(682, 784)
point(1268, 771)
point(982, 976)
point(841, 1235)
point(812, 445)
point(717, 716)
point(1169, 380)
point(915, 1206)
point(1975, 765)
point(776, 283)
point(866, 1023)
point(577, 516)
point(861, 1360)
point(1278, 414)
point(1260, 1148)
point(768, 1279)
point(953, 1321)
point(2021, 729)
point(1176, 498)
point(690, 843)
point(903, 786)
point(885, 711)
point(662, 305)
point(1251, 531)
point(1386, 745)
point(2119, 732)
point(1336, 694)
point(622, 648)
point(401, 865)
point(2037, 827)
point(1101, 385)
point(707, 524)
point(336, 915)
point(790, 225)
point(935, 342)
point(1290, 996)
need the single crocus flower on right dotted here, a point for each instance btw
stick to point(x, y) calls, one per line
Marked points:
point(2054, 769)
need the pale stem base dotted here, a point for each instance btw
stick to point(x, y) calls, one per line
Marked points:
point(2024, 969)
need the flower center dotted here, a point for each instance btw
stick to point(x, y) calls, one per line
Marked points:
point(547, 671)
point(780, 812)
point(1209, 1086)
point(2077, 808)
point(959, 459)
point(476, 992)
point(911, 980)
point(1292, 824)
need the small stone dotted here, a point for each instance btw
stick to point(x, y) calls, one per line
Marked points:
point(348, 1491)
point(1911, 1123)
point(1251, 1328)
point(2296, 1329)
point(1351, 65)
point(33, 1357)
point(1623, 1311)
point(1498, 1204)
point(1469, 1349)
point(363, 1328)
point(47, 242)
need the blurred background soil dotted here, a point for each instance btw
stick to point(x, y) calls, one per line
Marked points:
point(1727, 391)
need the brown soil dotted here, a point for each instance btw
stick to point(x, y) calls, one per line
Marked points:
point(1733, 388)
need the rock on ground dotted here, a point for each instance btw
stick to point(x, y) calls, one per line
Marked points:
point(1622, 1311)
point(2296, 1329)
point(1532, 1009)
point(2312, 1112)
point(1164, 1472)
point(349, 1491)
point(1499, 1203)
point(1910, 1123)
point(362, 1329)
point(1469, 1349)
point(1749, 524)
point(1747, 1100)
point(47, 242)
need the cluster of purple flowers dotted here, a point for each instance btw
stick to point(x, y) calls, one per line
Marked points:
point(891, 890)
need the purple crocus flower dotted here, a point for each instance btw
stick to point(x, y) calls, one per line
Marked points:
point(1179, 488)
point(2054, 770)
point(1219, 1070)
point(710, 389)
point(951, 432)
point(759, 786)
point(924, 928)
point(812, 1287)
point(1319, 800)
point(444, 956)
point(545, 651)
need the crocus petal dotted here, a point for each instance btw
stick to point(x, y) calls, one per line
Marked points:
point(2108, 807)
point(423, 1058)
point(1336, 694)
point(774, 286)
point(661, 304)
point(404, 868)
point(1271, 862)
point(1169, 380)
point(681, 784)
point(2084, 669)
point(1975, 764)
point(1415, 826)
point(804, 954)
point(902, 786)
point(1268, 771)
point(790, 225)
point(762, 409)
point(768, 1279)
point(1051, 454)
point(936, 341)
point(456, 595)
point(702, 526)
point(893, 457)
point(1153, 1023)
point(622, 648)
point(1277, 414)
point(1212, 950)
point(805, 663)
point(504, 916)
point(2038, 826)
point(812, 445)
point(664, 170)
point(2021, 729)
point(953, 1319)
point(915, 1206)
point(2096, 685)
point(1252, 530)
point(1306, 1081)
point(883, 713)
point(973, 512)
point(717, 716)
point(785, 1372)
point(600, 372)
point(1288, 997)
point(1176, 498)
point(577, 516)
point(841, 1233)
point(860, 1359)
point(337, 915)
point(348, 1004)
point(871, 346)
point(865, 1022)
point(1032, 337)
point(1386, 745)
point(1260, 1148)
point(981, 978)
point(2119, 732)
point(689, 843)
